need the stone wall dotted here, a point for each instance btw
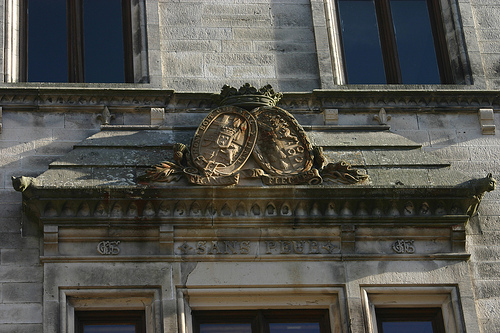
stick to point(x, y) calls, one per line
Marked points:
point(206, 44)
point(486, 19)
point(457, 138)
point(29, 142)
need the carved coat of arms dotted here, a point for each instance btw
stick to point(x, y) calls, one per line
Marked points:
point(230, 135)
point(224, 141)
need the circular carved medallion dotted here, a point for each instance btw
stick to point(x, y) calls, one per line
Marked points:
point(282, 147)
point(224, 141)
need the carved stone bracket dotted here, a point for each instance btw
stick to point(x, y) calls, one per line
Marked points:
point(487, 121)
point(331, 116)
point(157, 116)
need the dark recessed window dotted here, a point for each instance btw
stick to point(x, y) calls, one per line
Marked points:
point(261, 321)
point(78, 41)
point(394, 42)
point(110, 322)
point(416, 320)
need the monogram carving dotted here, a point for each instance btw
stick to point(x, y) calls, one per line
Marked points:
point(108, 247)
point(403, 246)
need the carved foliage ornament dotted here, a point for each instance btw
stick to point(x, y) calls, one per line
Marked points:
point(229, 135)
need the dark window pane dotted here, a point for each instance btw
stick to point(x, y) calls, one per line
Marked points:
point(109, 329)
point(415, 42)
point(408, 327)
point(294, 327)
point(103, 35)
point(47, 41)
point(360, 38)
point(225, 328)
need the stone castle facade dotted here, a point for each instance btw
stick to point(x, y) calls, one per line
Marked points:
point(171, 200)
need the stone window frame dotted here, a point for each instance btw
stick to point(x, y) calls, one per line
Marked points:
point(253, 298)
point(15, 45)
point(104, 299)
point(330, 54)
point(444, 297)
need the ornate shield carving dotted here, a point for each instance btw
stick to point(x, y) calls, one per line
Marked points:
point(224, 141)
point(282, 147)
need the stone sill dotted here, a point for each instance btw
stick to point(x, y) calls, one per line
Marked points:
point(279, 258)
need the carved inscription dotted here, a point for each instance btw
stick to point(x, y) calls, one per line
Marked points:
point(108, 247)
point(267, 247)
point(300, 247)
point(216, 247)
point(403, 246)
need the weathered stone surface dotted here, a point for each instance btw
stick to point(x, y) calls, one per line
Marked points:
point(21, 328)
point(21, 313)
point(360, 139)
point(20, 257)
point(22, 293)
point(86, 156)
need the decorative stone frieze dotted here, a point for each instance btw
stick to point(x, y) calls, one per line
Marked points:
point(165, 204)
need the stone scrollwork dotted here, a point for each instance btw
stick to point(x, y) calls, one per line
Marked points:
point(230, 135)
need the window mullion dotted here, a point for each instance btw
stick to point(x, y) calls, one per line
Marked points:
point(75, 41)
point(388, 42)
point(440, 42)
point(127, 41)
point(262, 326)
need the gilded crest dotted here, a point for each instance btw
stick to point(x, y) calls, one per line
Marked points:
point(282, 147)
point(224, 141)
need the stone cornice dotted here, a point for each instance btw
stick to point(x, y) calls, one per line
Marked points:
point(409, 99)
point(76, 97)
point(306, 205)
point(425, 98)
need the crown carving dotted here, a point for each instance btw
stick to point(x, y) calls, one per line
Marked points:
point(248, 97)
